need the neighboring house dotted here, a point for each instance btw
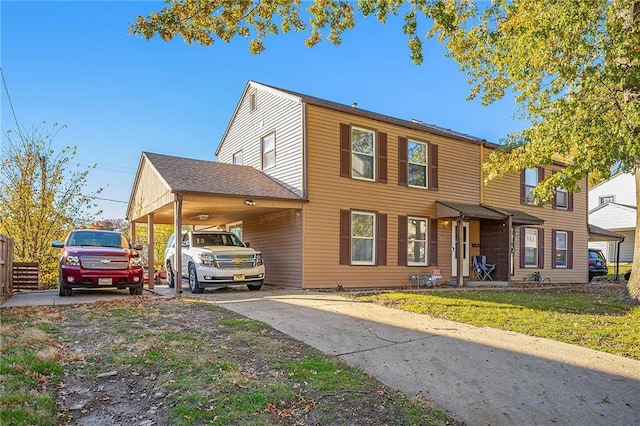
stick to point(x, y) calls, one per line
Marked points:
point(612, 206)
point(371, 200)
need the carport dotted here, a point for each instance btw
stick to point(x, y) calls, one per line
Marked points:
point(601, 234)
point(185, 191)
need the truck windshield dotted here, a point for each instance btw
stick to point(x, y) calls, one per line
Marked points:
point(97, 239)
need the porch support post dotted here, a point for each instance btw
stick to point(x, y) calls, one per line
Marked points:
point(151, 268)
point(512, 249)
point(132, 228)
point(460, 250)
point(177, 230)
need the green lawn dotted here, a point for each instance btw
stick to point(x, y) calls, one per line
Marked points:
point(593, 317)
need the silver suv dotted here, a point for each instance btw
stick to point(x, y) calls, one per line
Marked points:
point(215, 259)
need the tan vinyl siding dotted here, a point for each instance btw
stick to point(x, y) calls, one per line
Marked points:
point(505, 192)
point(329, 193)
point(278, 237)
point(279, 114)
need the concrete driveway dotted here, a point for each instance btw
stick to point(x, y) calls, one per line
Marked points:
point(480, 375)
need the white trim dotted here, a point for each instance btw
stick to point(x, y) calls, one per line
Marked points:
point(372, 238)
point(425, 241)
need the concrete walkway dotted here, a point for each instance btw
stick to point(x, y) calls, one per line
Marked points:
point(480, 375)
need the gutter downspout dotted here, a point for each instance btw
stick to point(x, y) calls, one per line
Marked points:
point(459, 250)
point(618, 260)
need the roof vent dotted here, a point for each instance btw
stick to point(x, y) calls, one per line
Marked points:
point(354, 105)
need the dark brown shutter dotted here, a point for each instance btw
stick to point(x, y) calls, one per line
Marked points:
point(541, 248)
point(345, 237)
point(570, 202)
point(402, 240)
point(433, 242)
point(433, 166)
point(540, 174)
point(555, 196)
point(345, 150)
point(570, 249)
point(522, 237)
point(402, 161)
point(381, 240)
point(554, 249)
point(523, 189)
point(381, 138)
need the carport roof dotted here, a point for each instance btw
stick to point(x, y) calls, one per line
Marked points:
point(210, 177)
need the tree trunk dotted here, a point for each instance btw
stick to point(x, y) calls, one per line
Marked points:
point(633, 286)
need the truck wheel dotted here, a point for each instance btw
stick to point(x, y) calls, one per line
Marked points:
point(171, 276)
point(254, 287)
point(135, 290)
point(194, 284)
point(62, 289)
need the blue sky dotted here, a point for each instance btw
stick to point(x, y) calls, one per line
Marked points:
point(119, 95)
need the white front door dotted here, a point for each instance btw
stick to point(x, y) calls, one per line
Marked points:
point(465, 249)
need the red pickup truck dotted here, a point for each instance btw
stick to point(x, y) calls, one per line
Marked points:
point(94, 259)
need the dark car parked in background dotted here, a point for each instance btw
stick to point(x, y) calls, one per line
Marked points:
point(597, 264)
point(93, 258)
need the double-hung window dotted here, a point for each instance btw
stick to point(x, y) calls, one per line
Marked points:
point(363, 154)
point(562, 199)
point(531, 247)
point(417, 163)
point(417, 241)
point(363, 231)
point(531, 179)
point(269, 150)
point(562, 249)
point(237, 158)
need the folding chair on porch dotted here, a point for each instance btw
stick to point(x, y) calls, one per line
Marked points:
point(482, 269)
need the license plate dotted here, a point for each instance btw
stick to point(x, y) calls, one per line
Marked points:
point(239, 277)
point(105, 281)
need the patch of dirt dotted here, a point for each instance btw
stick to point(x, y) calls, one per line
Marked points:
point(144, 361)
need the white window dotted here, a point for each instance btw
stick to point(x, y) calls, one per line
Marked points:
point(237, 158)
point(562, 199)
point(417, 241)
point(363, 233)
point(417, 159)
point(607, 199)
point(531, 247)
point(253, 104)
point(268, 150)
point(530, 182)
point(362, 154)
point(562, 249)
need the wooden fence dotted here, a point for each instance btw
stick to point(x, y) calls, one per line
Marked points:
point(6, 265)
point(26, 276)
point(16, 276)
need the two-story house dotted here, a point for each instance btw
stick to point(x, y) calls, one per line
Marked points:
point(613, 206)
point(372, 200)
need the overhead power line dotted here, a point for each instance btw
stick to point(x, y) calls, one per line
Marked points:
point(13, 111)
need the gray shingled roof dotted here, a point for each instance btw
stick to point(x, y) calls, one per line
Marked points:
point(597, 233)
point(474, 210)
point(210, 177)
point(411, 124)
point(481, 211)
